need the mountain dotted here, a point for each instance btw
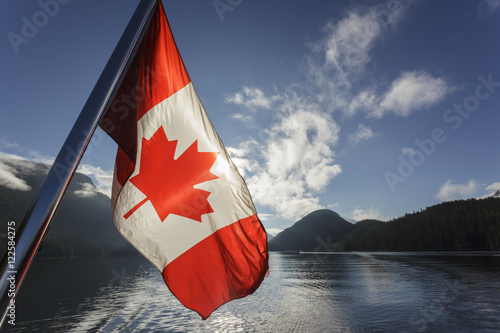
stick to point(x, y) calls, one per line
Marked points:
point(318, 231)
point(82, 226)
point(497, 194)
point(462, 225)
point(361, 228)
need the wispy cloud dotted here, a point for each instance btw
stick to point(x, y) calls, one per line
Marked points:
point(26, 155)
point(363, 133)
point(103, 178)
point(240, 157)
point(337, 63)
point(265, 217)
point(493, 187)
point(86, 191)
point(348, 42)
point(239, 116)
point(372, 213)
point(412, 91)
point(9, 177)
point(7, 144)
point(450, 191)
point(273, 231)
point(487, 8)
point(14, 169)
point(252, 98)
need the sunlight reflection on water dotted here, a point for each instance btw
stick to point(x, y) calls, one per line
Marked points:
point(341, 292)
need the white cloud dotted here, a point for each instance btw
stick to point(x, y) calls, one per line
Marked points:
point(349, 41)
point(87, 191)
point(240, 158)
point(333, 206)
point(338, 60)
point(9, 177)
point(294, 162)
point(265, 216)
point(372, 213)
point(273, 231)
point(337, 67)
point(239, 116)
point(450, 191)
point(14, 167)
point(412, 91)
point(252, 99)
point(408, 93)
point(24, 165)
point(35, 156)
point(492, 189)
point(7, 156)
point(363, 133)
point(366, 100)
point(103, 179)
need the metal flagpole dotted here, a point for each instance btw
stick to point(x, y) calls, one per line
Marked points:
point(30, 234)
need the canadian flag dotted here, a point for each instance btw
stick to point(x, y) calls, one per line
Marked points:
point(177, 196)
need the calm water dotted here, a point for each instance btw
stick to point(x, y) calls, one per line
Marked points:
point(338, 292)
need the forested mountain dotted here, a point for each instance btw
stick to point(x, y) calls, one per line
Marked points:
point(83, 225)
point(322, 230)
point(472, 224)
point(302, 236)
point(466, 225)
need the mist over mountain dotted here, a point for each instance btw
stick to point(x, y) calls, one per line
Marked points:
point(82, 226)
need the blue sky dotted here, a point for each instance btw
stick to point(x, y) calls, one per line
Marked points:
point(370, 108)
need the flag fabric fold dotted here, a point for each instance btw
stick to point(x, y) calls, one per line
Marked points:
point(177, 196)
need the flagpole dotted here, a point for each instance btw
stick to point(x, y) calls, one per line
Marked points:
point(30, 233)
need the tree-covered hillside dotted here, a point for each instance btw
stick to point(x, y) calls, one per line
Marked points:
point(472, 224)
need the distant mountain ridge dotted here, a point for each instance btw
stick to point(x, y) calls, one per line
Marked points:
point(466, 225)
point(82, 227)
point(322, 230)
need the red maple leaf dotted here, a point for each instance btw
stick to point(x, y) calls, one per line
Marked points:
point(168, 182)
